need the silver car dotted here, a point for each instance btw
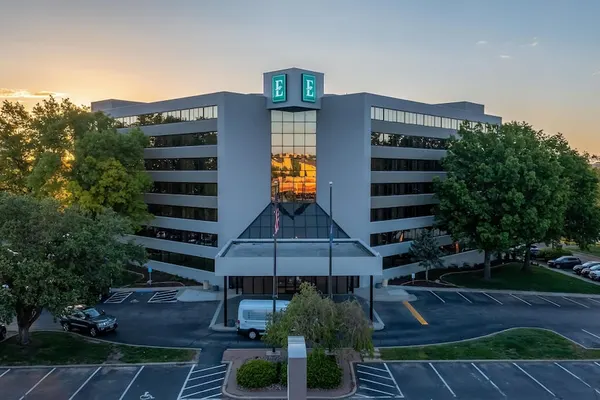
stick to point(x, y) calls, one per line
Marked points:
point(580, 267)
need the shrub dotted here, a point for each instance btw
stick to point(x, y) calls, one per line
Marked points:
point(551, 254)
point(255, 374)
point(322, 371)
point(283, 374)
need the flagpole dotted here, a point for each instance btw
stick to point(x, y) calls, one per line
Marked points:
point(275, 231)
point(330, 283)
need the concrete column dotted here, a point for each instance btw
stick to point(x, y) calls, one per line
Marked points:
point(296, 372)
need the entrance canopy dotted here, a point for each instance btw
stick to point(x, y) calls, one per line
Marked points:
point(297, 257)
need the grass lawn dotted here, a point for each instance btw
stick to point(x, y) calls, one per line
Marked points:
point(517, 344)
point(510, 276)
point(51, 348)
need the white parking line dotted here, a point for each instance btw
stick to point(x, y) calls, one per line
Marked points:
point(378, 383)
point(393, 380)
point(596, 363)
point(375, 390)
point(203, 383)
point(535, 380)
point(34, 386)
point(131, 383)
point(201, 391)
point(442, 300)
point(488, 379)
point(368, 366)
point(493, 298)
point(187, 378)
point(204, 376)
point(442, 379)
point(595, 301)
point(206, 369)
point(518, 298)
point(573, 301)
point(464, 297)
point(590, 333)
point(118, 297)
point(576, 377)
point(211, 396)
point(549, 301)
point(378, 376)
point(4, 373)
point(164, 296)
point(85, 383)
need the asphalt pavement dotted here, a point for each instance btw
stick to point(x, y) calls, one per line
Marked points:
point(143, 382)
point(519, 380)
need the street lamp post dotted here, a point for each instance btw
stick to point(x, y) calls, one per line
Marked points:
point(275, 231)
point(330, 281)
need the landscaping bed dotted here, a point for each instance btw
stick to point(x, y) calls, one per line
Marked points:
point(516, 344)
point(423, 283)
point(56, 348)
point(253, 373)
point(510, 277)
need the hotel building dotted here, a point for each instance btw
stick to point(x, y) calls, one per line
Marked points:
point(218, 159)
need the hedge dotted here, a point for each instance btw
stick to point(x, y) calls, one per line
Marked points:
point(256, 374)
point(551, 254)
point(322, 371)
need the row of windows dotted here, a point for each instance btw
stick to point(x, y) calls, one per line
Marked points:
point(384, 214)
point(405, 235)
point(198, 213)
point(186, 139)
point(386, 114)
point(196, 189)
point(296, 140)
point(397, 260)
point(399, 189)
point(400, 164)
point(181, 164)
point(188, 114)
point(399, 140)
point(176, 235)
point(206, 264)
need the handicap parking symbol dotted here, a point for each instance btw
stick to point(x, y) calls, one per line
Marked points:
point(146, 396)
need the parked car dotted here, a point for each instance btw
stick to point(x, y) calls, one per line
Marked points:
point(534, 250)
point(586, 271)
point(564, 262)
point(2, 332)
point(252, 316)
point(594, 275)
point(579, 267)
point(88, 319)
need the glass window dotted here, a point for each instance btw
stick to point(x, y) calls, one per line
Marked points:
point(401, 116)
point(372, 112)
point(181, 164)
point(310, 140)
point(420, 119)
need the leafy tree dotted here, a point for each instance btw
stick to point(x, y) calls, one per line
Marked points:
point(581, 222)
point(426, 250)
point(68, 153)
point(52, 257)
point(322, 322)
point(479, 192)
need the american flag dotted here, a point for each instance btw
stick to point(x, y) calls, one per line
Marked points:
point(276, 215)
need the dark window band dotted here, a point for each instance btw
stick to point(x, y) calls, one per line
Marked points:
point(181, 164)
point(186, 139)
point(177, 235)
point(188, 188)
point(384, 214)
point(400, 140)
point(403, 235)
point(400, 164)
point(206, 264)
point(399, 189)
point(197, 213)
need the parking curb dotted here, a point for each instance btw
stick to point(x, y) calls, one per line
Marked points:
point(120, 365)
point(486, 336)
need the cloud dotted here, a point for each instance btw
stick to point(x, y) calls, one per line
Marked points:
point(534, 42)
point(26, 94)
point(482, 42)
point(505, 56)
point(596, 73)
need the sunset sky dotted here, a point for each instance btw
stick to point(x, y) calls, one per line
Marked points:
point(532, 60)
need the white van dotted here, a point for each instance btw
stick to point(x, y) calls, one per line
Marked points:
point(252, 316)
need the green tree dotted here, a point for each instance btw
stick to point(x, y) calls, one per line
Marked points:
point(52, 257)
point(581, 222)
point(322, 322)
point(426, 250)
point(479, 190)
point(66, 152)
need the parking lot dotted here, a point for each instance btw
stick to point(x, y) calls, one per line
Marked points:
point(150, 382)
point(159, 296)
point(478, 380)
